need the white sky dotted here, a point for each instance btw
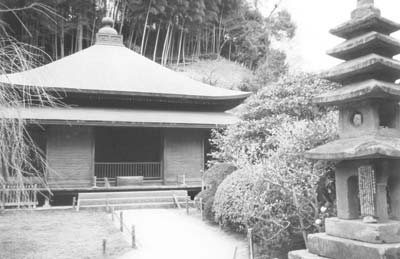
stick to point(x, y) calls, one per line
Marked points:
point(314, 19)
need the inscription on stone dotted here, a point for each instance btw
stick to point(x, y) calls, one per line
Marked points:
point(367, 190)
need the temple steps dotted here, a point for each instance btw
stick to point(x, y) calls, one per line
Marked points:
point(304, 254)
point(128, 200)
point(133, 200)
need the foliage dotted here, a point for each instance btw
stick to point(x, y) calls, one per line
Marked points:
point(21, 161)
point(277, 191)
point(289, 99)
point(213, 177)
point(246, 200)
point(165, 30)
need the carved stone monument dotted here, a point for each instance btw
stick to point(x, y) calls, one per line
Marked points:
point(368, 150)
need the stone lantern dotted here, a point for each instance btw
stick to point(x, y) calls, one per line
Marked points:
point(368, 150)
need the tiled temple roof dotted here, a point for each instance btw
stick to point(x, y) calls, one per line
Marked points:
point(108, 67)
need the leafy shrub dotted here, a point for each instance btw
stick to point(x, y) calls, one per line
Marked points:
point(231, 203)
point(245, 199)
point(213, 178)
point(217, 173)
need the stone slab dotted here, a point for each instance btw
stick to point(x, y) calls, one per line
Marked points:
point(340, 248)
point(364, 147)
point(362, 68)
point(360, 91)
point(368, 23)
point(381, 233)
point(372, 42)
point(303, 254)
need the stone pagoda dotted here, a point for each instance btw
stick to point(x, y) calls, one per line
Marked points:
point(368, 150)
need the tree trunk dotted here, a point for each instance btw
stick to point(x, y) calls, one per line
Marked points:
point(145, 43)
point(199, 45)
point(171, 46)
point(165, 44)
point(230, 50)
point(55, 50)
point(92, 39)
point(79, 35)
point(131, 36)
point(219, 32)
point(123, 17)
point(206, 39)
point(145, 28)
point(213, 40)
point(183, 50)
point(156, 43)
point(72, 42)
point(180, 46)
point(62, 39)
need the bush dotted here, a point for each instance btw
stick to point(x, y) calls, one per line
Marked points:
point(217, 173)
point(245, 199)
point(213, 177)
point(231, 204)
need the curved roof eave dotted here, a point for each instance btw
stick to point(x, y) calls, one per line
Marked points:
point(111, 69)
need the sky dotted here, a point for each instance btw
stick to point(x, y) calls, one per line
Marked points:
point(314, 19)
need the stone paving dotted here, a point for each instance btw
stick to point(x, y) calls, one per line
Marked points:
point(171, 233)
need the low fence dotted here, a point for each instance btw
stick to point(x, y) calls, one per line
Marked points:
point(122, 226)
point(110, 170)
point(13, 195)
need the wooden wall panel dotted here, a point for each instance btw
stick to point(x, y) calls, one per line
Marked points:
point(70, 154)
point(183, 154)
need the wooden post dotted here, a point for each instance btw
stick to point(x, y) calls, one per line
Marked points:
point(73, 202)
point(2, 197)
point(121, 221)
point(235, 252)
point(184, 179)
point(94, 181)
point(187, 205)
point(202, 180)
point(34, 195)
point(250, 240)
point(201, 208)
point(133, 236)
point(104, 246)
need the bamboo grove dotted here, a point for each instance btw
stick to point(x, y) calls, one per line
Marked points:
point(167, 31)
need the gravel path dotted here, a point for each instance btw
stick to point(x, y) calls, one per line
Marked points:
point(171, 233)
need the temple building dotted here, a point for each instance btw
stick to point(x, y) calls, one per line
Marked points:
point(368, 149)
point(125, 116)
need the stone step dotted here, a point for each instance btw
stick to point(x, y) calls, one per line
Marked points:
point(110, 195)
point(339, 248)
point(304, 254)
point(387, 232)
point(149, 205)
point(132, 200)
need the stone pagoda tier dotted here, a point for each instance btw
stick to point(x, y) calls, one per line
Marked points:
point(368, 149)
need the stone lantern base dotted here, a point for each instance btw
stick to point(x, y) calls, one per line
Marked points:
point(353, 239)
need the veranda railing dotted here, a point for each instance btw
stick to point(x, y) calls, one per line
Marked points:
point(12, 195)
point(111, 170)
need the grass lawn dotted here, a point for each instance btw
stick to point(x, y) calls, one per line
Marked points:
point(59, 234)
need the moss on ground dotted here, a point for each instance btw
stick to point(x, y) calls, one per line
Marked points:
point(59, 234)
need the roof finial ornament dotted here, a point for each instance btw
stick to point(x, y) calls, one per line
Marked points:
point(361, 3)
point(107, 35)
point(107, 22)
point(365, 8)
